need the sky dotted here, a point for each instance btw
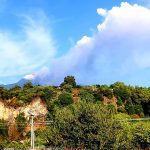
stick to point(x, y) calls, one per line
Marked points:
point(98, 42)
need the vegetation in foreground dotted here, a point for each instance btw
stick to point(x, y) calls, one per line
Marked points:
point(95, 116)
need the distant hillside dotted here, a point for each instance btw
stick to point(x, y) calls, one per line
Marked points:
point(20, 83)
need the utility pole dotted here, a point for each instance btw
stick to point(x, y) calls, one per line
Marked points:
point(32, 129)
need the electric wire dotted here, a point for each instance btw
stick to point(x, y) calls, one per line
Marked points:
point(46, 123)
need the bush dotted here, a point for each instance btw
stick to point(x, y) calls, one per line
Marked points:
point(86, 96)
point(141, 134)
point(98, 95)
point(121, 109)
point(121, 90)
point(3, 129)
point(69, 80)
point(48, 95)
point(107, 92)
point(119, 101)
point(16, 145)
point(138, 109)
point(67, 88)
point(28, 85)
point(21, 123)
point(129, 107)
point(65, 99)
point(85, 123)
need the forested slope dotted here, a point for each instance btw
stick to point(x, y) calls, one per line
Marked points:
point(83, 114)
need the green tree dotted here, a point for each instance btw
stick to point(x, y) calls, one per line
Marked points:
point(3, 129)
point(119, 101)
point(21, 123)
point(107, 91)
point(86, 96)
point(69, 80)
point(138, 108)
point(121, 91)
point(65, 99)
point(85, 123)
point(51, 136)
point(102, 91)
point(67, 88)
point(4, 94)
point(16, 145)
point(48, 94)
point(141, 134)
point(14, 91)
point(28, 85)
point(129, 107)
point(121, 129)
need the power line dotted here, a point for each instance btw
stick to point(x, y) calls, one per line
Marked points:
point(51, 122)
point(139, 119)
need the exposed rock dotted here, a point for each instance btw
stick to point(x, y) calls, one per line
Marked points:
point(37, 106)
point(110, 101)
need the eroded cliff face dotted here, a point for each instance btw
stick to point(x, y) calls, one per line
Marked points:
point(37, 106)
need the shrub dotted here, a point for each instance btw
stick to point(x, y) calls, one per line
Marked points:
point(65, 99)
point(3, 129)
point(48, 94)
point(69, 80)
point(130, 107)
point(86, 96)
point(67, 88)
point(121, 109)
point(138, 109)
point(21, 123)
point(141, 134)
point(28, 85)
point(119, 101)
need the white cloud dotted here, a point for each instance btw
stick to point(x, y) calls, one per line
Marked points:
point(118, 51)
point(84, 41)
point(28, 50)
point(102, 12)
point(30, 77)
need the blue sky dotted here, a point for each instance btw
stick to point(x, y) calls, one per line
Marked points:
point(98, 42)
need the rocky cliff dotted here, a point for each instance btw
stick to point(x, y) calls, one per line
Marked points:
point(37, 106)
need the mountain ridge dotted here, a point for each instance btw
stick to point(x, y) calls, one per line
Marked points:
point(20, 83)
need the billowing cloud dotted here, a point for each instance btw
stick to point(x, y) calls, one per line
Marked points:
point(120, 49)
point(28, 50)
